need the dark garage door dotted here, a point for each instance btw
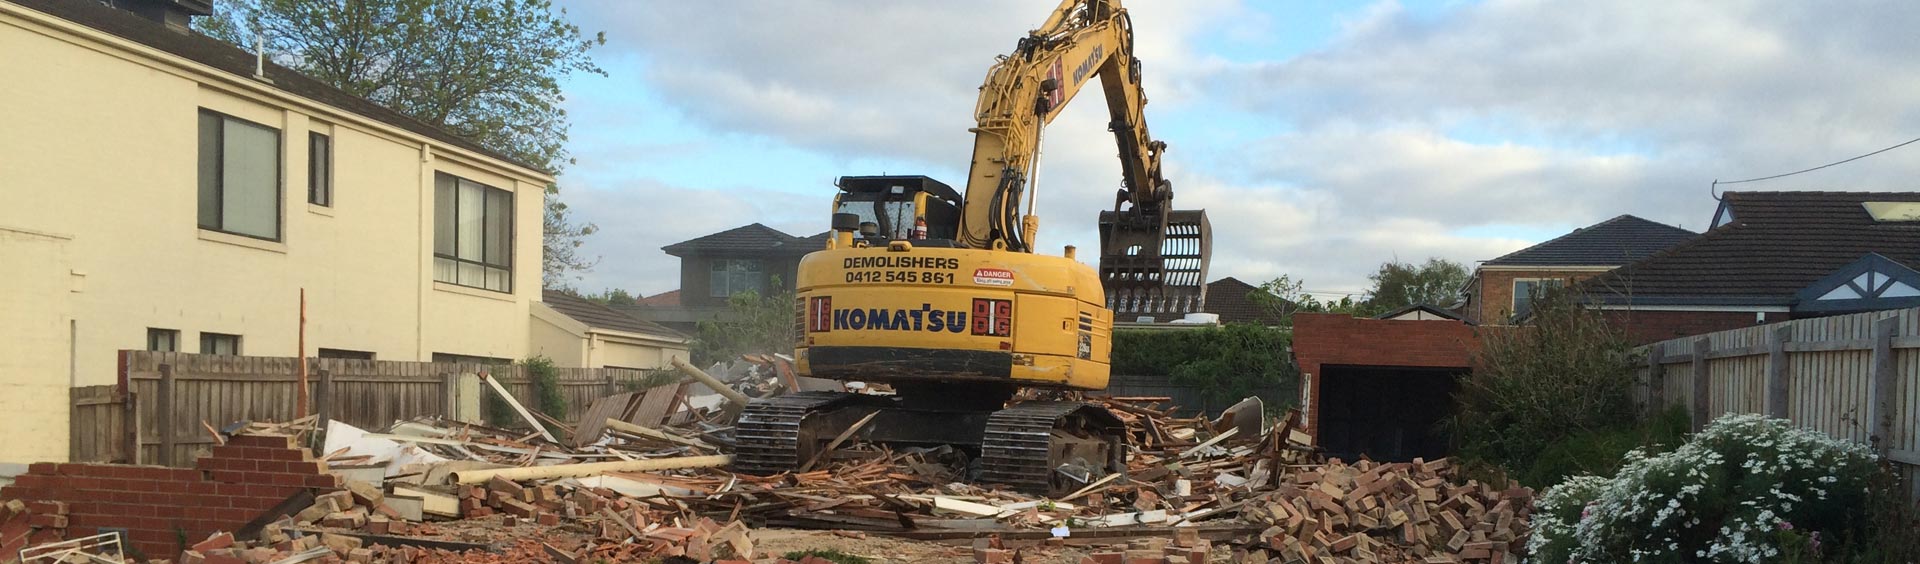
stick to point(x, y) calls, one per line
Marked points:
point(1390, 414)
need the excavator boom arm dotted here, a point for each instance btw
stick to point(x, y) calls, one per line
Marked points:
point(1026, 90)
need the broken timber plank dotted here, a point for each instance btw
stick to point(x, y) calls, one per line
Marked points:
point(619, 425)
point(517, 408)
point(1210, 442)
point(837, 440)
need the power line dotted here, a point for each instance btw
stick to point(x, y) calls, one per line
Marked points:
point(1908, 142)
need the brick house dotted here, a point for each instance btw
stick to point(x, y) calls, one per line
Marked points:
point(1772, 256)
point(159, 191)
point(1501, 289)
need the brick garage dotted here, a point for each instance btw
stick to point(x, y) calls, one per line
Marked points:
point(155, 504)
point(1377, 386)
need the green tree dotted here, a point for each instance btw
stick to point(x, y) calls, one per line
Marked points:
point(752, 323)
point(1564, 379)
point(614, 297)
point(1285, 297)
point(1398, 284)
point(488, 70)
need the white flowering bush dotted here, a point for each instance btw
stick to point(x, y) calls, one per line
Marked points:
point(1735, 492)
point(1558, 511)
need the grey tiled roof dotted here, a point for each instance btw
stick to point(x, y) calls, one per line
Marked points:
point(603, 317)
point(750, 239)
point(1613, 242)
point(1776, 245)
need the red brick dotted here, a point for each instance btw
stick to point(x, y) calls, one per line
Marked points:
point(47, 468)
point(53, 507)
point(266, 441)
point(45, 520)
point(321, 481)
point(306, 467)
point(222, 540)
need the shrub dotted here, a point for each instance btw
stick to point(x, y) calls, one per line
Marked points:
point(1739, 491)
point(1600, 452)
point(1227, 363)
point(546, 387)
point(1557, 511)
point(753, 323)
point(1565, 375)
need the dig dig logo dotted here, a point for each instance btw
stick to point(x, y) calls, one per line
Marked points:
point(993, 277)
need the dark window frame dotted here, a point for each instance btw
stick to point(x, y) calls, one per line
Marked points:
point(220, 171)
point(173, 336)
point(718, 272)
point(511, 235)
point(319, 169)
point(346, 354)
point(208, 340)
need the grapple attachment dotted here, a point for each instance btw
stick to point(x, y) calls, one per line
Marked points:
point(1155, 264)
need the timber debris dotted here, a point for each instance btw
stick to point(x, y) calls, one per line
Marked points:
point(644, 477)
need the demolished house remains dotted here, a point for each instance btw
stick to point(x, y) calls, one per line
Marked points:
point(644, 476)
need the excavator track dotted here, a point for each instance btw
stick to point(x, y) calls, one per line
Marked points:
point(767, 435)
point(1021, 446)
point(1022, 450)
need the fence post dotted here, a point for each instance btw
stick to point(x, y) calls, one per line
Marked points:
point(1777, 371)
point(1883, 401)
point(1702, 384)
point(323, 400)
point(1656, 378)
point(130, 429)
point(450, 393)
point(163, 411)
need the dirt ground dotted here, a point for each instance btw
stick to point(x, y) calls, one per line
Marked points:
point(888, 550)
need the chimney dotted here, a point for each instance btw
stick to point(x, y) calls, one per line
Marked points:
point(176, 14)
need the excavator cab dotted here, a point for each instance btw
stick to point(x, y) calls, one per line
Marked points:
point(900, 208)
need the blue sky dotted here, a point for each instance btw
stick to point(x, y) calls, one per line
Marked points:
point(1322, 137)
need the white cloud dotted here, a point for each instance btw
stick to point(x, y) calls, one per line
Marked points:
point(1395, 138)
point(637, 218)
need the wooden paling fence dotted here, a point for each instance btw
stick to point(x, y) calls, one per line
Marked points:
point(1854, 377)
point(160, 410)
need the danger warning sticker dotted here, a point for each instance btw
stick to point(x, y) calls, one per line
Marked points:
point(993, 277)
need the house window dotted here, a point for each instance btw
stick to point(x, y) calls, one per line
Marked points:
point(239, 176)
point(733, 276)
point(472, 234)
point(163, 340)
point(346, 354)
point(1526, 290)
point(319, 169)
point(219, 343)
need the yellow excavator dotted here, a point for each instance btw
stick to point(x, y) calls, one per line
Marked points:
point(941, 295)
